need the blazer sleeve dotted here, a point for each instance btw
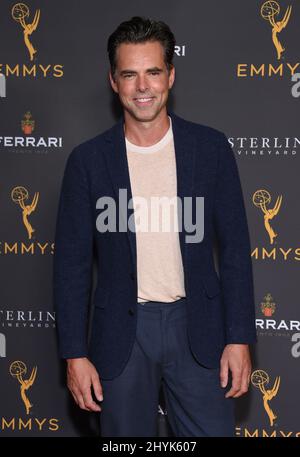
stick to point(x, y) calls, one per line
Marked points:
point(235, 263)
point(72, 269)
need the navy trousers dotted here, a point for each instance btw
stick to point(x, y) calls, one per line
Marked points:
point(195, 401)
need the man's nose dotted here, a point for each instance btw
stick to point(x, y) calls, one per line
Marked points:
point(141, 83)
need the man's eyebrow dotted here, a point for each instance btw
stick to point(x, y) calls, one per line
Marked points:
point(155, 69)
point(127, 71)
point(149, 70)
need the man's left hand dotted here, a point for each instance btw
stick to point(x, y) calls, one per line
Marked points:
point(236, 358)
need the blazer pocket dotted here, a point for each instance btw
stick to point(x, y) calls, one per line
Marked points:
point(212, 286)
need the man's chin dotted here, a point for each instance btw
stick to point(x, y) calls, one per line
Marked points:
point(144, 115)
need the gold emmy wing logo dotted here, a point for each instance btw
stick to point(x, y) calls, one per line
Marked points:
point(259, 379)
point(27, 124)
point(261, 198)
point(17, 370)
point(19, 195)
point(269, 11)
point(20, 12)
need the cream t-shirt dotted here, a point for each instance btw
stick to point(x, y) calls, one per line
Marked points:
point(152, 171)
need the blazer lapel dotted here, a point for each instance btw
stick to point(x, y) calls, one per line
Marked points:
point(117, 165)
point(184, 144)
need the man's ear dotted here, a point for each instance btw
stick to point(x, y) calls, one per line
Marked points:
point(171, 76)
point(113, 82)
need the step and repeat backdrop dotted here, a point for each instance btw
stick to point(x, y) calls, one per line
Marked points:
point(238, 70)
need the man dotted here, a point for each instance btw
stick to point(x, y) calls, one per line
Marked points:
point(161, 313)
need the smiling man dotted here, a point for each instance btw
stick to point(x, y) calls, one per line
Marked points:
point(162, 315)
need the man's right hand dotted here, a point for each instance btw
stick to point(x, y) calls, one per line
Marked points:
point(81, 375)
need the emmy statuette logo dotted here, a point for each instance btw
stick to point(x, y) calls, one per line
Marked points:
point(18, 370)
point(261, 198)
point(269, 11)
point(20, 12)
point(19, 195)
point(259, 379)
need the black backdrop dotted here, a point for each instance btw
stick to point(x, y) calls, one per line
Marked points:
point(228, 76)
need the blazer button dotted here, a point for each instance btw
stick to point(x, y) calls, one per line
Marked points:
point(131, 312)
point(132, 276)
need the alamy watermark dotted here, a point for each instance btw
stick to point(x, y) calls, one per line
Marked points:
point(154, 214)
point(296, 347)
point(296, 87)
point(2, 345)
point(2, 86)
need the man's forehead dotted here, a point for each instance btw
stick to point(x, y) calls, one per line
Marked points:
point(140, 50)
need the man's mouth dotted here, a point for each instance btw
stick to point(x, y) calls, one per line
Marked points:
point(143, 100)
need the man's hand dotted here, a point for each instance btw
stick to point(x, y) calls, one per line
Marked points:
point(236, 358)
point(81, 375)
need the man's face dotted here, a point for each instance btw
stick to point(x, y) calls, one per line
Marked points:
point(141, 79)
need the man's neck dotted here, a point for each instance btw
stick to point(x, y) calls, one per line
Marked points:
point(146, 133)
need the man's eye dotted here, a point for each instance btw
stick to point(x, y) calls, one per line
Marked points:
point(127, 76)
point(154, 73)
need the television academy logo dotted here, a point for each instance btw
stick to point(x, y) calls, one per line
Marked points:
point(28, 24)
point(25, 385)
point(20, 13)
point(18, 370)
point(29, 143)
point(269, 11)
point(260, 379)
point(20, 196)
point(261, 199)
point(269, 390)
point(277, 21)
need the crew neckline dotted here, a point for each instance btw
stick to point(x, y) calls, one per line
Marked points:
point(154, 147)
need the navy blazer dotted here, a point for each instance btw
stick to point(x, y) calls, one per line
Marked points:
point(220, 307)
